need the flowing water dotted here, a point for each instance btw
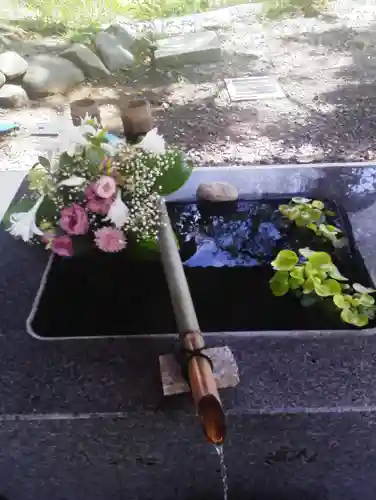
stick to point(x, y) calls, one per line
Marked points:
point(219, 450)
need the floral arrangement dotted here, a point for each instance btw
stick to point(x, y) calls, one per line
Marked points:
point(96, 193)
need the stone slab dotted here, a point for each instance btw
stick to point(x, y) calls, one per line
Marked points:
point(159, 455)
point(225, 369)
point(191, 48)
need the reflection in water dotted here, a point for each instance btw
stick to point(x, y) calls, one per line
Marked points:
point(242, 234)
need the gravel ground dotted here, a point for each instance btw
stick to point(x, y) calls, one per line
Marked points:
point(326, 66)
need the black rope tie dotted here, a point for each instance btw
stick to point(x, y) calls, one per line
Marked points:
point(185, 356)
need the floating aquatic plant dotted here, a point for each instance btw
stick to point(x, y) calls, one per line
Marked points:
point(312, 276)
point(313, 215)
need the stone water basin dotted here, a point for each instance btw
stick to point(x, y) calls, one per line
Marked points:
point(226, 250)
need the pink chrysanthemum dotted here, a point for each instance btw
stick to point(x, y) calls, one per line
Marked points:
point(109, 239)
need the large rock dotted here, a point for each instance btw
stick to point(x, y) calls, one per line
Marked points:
point(12, 65)
point(124, 33)
point(86, 60)
point(2, 80)
point(217, 192)
point(114, 56)
point(48, 74)
point(191, 48)
point(13, 96)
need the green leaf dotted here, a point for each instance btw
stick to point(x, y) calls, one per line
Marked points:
point(354, 318)
point(279, 284)
point(340, 301)
point(66, 164)
point(176, 175)
point(299, 200)
point(300, 221)
point(308, 286)
point(318, 204)
point(335, 274)
point(332, 229)
point(329, 232)
point(313, 227)
point(147, 249)
point(298, 273)
point(366, 300)
point(326, 288)
point(309, 270)
point(368, 311)
point(285, 261)
point(293, 213)
point(362, 289)
point(294, 283)
point(316, 215)
point(284, 209)
point(330, 213)
point(319, 259)
point(44, 162)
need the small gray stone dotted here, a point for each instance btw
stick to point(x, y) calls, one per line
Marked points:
point(48, 74)
point(124, 33)
point(12, 65)
point(13, 96)
point(2, 80)
point(217, 192)
point(86, 60)
point(114, 56)
point(191, 48)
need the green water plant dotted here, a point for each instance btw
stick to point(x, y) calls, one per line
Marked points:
point(312, 215)
point(313, 277)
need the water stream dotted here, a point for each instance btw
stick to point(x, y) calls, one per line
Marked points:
point(219, 450)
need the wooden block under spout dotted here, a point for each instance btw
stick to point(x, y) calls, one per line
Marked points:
point(226, 372)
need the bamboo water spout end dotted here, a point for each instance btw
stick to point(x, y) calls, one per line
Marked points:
point(199, 366)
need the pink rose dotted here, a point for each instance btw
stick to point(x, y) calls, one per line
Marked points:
point(105, 187)
point(62, 245)
point(74, 220)
point(95, 203)
point(109, 239)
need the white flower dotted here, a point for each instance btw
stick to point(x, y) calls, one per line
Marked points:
point(23, 223)
point(87, 129)
point(118, 213)
point(73, 181)
point(153, 143)
point(73, 139)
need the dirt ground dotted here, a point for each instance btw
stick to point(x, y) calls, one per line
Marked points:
point(326, 67)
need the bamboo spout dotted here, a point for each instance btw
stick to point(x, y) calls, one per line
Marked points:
point(203, 386)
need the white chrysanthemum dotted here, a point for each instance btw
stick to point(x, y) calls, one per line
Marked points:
point(73, 181)
point(23, 223)
point(118, 213)
point(153, 143)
